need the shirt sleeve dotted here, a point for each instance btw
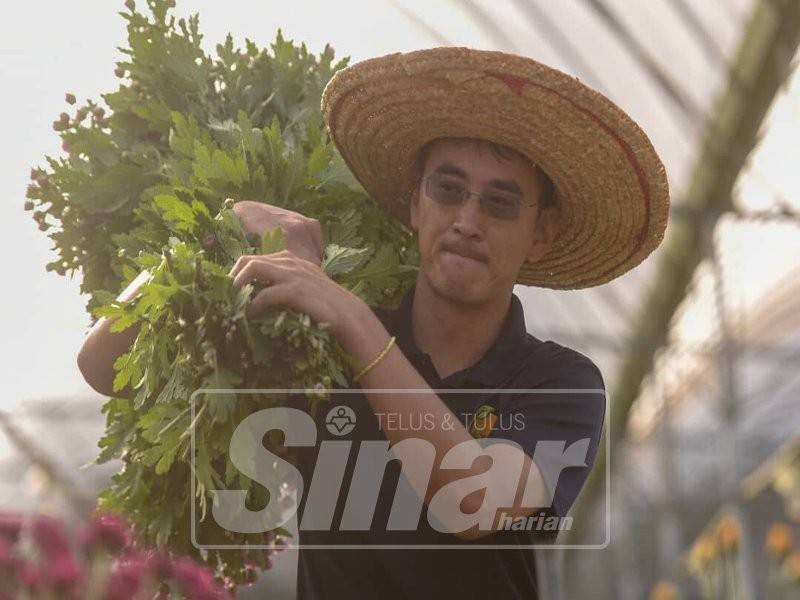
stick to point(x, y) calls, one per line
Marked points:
point(559, 426)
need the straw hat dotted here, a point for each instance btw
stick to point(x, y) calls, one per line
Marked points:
point(609, 182)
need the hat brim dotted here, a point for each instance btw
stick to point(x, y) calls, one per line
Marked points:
point(610, 184)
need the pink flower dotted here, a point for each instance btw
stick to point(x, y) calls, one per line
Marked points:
point(63, 572)
point(106, 532)
point(160, 565)
point(58, 568)
point(29, 576)
point(126, 579)
point(196, 582)
point(54, 569)
point(51, 537)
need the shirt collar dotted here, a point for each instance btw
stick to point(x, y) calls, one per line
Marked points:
point(493, 368)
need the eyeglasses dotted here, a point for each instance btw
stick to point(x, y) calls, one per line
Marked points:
point(448, 191)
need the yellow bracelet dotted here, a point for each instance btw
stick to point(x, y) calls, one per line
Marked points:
point(377, 359)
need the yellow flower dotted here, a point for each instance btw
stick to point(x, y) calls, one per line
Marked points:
point(791, 567)
point(703, 553)
point(485, 420)
point(728, 533)
point(787, 479)
point(664, 590)
point(779, 540)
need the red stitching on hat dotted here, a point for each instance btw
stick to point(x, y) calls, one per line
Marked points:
point(514, 83)
point(517, 83)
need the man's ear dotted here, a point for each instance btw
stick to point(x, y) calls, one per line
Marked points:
point(545, 233)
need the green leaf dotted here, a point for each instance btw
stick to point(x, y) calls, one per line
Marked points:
point(221, 404)
point(338, 260)
point(179, 214)
point(127, 369)
point(273, 240)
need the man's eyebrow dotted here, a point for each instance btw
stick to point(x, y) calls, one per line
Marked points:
point(508, 185)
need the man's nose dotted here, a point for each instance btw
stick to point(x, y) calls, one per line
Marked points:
point(469, 217)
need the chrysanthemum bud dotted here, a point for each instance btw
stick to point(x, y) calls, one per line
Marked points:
point(130, 5)
point(119, 72)
point(66, 146)
point(98, 112)
point(81, 114)
point(70, 98)
point(28, 205)
point(250, 576)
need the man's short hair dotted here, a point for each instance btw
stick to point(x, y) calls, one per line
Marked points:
point(547, 198)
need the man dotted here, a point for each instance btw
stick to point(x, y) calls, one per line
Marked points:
point(508, 172)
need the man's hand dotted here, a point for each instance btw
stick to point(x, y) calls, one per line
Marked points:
point(298, 284)
point(303, 234)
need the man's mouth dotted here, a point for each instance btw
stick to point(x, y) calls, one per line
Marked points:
point(465, 253)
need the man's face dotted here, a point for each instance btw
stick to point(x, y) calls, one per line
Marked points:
point(498, 247)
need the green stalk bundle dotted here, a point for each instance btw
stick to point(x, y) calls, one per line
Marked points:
point(143, 186)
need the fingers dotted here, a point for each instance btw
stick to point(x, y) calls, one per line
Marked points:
point(269, 268)
point(272, 295)
point(240, 262)
point(250, 268)
point(303, 234)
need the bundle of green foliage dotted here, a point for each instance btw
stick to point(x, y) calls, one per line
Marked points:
point(143, 185)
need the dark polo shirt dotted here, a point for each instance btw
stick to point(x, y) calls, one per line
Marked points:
point(516, 360)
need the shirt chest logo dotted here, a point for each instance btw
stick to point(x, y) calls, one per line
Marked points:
point(484, 421)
